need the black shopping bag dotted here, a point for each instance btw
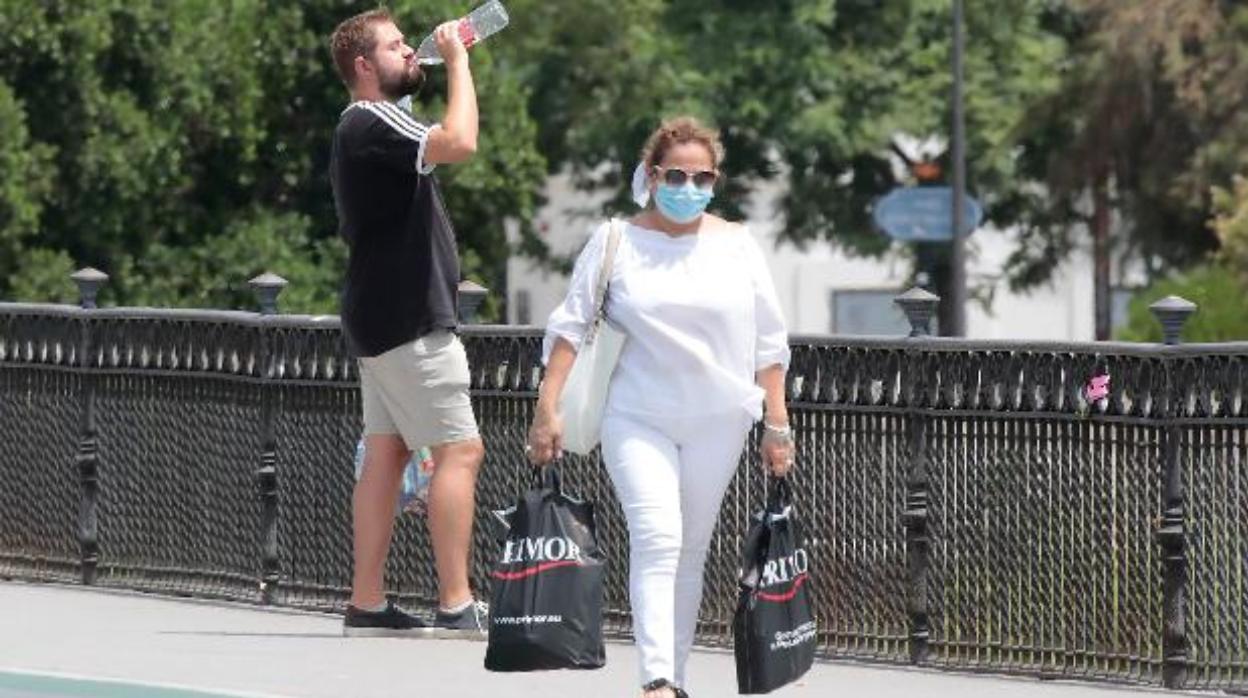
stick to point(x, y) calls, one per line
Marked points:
point(546, 606)
point(774, 626)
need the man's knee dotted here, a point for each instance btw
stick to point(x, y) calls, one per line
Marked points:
point(385, 451)
point(475, 452)
point(463, 454)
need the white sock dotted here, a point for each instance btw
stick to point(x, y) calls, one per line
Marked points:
point(376, 609)
point(456, 610)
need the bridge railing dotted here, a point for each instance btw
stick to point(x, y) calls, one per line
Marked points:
point(966, 506)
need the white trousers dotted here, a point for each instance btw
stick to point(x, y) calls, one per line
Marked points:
point(670, 475)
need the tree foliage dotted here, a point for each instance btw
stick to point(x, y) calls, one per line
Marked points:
point(1231, 225)
point(808, 93)
point(1218, 294)
point(182, 147)
point(1152, 98)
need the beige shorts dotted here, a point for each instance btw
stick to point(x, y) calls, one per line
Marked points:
point(419, 391)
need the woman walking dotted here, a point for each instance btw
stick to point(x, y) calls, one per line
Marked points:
point(705, 358)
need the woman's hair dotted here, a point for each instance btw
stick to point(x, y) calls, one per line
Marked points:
point(678, 131)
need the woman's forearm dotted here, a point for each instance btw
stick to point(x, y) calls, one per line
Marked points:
point(557, 368)
point(771, 380)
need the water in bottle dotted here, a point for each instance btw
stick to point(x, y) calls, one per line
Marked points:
point(473, 29)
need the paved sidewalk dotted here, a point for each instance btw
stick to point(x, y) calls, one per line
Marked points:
point(257, 652)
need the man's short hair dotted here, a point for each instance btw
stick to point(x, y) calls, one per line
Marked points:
point(355, 37)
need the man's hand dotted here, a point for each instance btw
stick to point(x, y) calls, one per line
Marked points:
point(456, 141)
point(446, 36)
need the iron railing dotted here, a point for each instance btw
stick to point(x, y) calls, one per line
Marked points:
point(965, 506)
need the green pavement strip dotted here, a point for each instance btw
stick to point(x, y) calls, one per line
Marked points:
point(59, 687)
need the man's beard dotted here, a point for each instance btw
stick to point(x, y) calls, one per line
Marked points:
point(401, 84)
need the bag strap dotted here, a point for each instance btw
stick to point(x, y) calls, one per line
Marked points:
point(779, 494)
point(604, 280)
point(548, 478)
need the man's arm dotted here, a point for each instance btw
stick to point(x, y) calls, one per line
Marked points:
point(456, 139)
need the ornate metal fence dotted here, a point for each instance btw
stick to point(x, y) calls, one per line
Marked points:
point(965, 506)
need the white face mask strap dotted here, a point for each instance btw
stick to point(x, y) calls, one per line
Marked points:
point(641, 187)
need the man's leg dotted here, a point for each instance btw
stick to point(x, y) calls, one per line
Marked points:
point(451, 508)
point(425, 386)
point(385, 457)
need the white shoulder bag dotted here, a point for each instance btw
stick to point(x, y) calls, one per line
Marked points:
point(585, 392)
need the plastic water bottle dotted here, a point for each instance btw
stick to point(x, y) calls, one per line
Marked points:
point(482, 22)
point(413, 495)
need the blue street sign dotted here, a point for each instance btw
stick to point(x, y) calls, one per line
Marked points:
point(923, 214)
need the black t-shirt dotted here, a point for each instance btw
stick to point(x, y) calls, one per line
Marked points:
point(403, 268)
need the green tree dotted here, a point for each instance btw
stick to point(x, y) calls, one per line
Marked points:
point(1218, 294)
point(1148, 121)
point(809, 94)
point(1231, 225)
point(25, 183)
point(161, 141)
point(43, 274)
point(182, 147)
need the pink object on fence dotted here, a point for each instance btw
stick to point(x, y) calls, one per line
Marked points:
point(1097, 388)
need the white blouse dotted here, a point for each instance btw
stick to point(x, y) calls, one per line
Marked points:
point(700, 312)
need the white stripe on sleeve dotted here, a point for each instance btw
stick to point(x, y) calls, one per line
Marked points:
point(422, 166)
point(403, 119)
point(409, 129)
point(403, 115)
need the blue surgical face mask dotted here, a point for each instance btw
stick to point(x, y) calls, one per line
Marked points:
point(681, 204)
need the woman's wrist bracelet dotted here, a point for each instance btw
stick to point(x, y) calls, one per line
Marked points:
point(777, 429)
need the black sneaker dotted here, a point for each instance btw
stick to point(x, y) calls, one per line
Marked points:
point(392, 622)
point(472, 623)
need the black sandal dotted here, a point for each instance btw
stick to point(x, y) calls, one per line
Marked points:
point(664, 683)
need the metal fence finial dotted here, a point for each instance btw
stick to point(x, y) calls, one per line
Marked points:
point(89, 281)
point(1172, 312)
point(919, 306)
point(471, 295)
point(267, 287)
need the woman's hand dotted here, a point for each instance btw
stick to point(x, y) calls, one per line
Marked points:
point(777, 444)
point(546, 433)
point(777, 449)
point(545, 436)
